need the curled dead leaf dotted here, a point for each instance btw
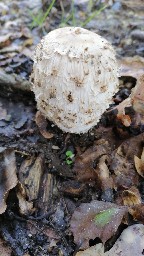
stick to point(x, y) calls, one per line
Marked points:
point(123, 162)
point(137, 211)
point(83, 166)
point(133, 67)
point(139, 164)
point(30, 174)
point(131, 197)
point(26, 207)
point(42, 124)
point(103, 173)
point(137, 96)
point(125, 119)
point(8, 177)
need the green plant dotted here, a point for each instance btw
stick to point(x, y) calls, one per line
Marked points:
point(76, 22)
point(92, 16)
point(69, 157)
point(39, 19)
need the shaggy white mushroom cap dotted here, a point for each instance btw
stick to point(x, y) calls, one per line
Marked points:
point(74, 78)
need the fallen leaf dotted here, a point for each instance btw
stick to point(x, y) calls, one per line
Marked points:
point(131, 197)
point(130, 243)
point(30, 174)
point(139, 164)
point(26, 208)
point(103, 174)
point(122, 164)
point(132, 66)
point(97, 250)
point(8, 178)
point(42, 125)
point(95, 219)
point(137, 96)
point(83, 166)
point(125, 119)
point(137, 211)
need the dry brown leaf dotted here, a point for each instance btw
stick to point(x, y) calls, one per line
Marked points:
point(132, 66)
point(135, 100)
point(26, 207)
point(97, 250)
point(125, 119)
point(139, 164)
point(95, 219)
point(42, 125)
point(131, 197)
point(84, 163)
point(103, 174)
point(8, 178)
point(137, 96)
point(137, 211)
point(123, 162)
point(130, 243)
point(30, 174)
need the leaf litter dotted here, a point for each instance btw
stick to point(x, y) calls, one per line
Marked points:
point(130, 242)
point(95, 219)
point(43, 193)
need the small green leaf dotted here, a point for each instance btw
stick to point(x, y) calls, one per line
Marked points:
point(69, 162)
point(104, 217)
point(69, 153)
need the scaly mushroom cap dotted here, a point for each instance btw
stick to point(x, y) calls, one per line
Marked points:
point(74, 78)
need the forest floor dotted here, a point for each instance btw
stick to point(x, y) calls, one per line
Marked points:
point(49, 179)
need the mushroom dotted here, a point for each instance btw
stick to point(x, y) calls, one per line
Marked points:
point(74, 78)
